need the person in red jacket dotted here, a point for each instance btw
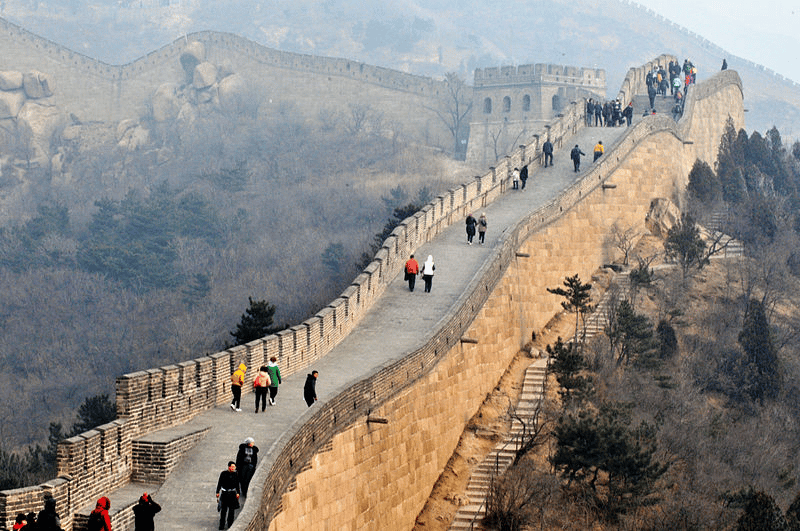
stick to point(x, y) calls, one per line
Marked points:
point(99, 520)
point(412, 270)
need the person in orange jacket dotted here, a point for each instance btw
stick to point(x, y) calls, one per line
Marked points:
point(237, 380)
point(412, 270)
point(261, 387)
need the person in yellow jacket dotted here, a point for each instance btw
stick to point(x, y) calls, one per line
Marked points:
point(598, 150)
point(237, 380)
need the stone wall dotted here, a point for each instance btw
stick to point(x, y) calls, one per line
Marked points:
point(652, 160)
point(378, 476)
point(95, 91)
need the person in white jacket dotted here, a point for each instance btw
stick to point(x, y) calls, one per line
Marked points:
point(427, 273)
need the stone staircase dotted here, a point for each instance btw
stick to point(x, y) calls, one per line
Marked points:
point(733, 248)
point(500, 458)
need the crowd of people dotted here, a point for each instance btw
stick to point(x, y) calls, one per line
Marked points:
point(608, 114)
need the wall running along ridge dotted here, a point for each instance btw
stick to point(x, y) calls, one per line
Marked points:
point(652, 160)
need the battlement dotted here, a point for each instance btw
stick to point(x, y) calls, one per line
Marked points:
point(538, 73)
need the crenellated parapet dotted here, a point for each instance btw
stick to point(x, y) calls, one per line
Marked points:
point(132, 449)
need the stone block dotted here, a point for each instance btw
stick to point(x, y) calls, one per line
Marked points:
point(10, 80)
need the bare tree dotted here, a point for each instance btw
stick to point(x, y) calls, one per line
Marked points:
point(454, 107)
point(624, 240)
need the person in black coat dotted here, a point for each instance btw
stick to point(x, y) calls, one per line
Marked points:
point(547, 149)
point(143, 513)
point(228, 494)
point(48, 517)
point(575, 155)
point(310, 388)
point(246, 461)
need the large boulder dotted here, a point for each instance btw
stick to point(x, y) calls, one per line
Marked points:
point(662, 216)
point(166, 103)
point(43, 121)
point(10, 80)
point(233, 94)
point(11, 103)
point(192, 55)
point(37, 85)
point(205, 75)
point(134, 138)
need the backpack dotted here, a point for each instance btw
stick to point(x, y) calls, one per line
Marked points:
point(95, 522)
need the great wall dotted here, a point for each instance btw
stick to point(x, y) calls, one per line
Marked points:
point(397, 461)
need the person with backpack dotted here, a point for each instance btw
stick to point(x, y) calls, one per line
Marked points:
point(412, 270)
point(237, 380)
point(547, 150)
point(261, 387)
point(275, 378)
point(99, 519)
point(144, 512)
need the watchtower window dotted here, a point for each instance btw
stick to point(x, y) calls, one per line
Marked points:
point(526, 103)
point(487, 106)
point(506, 104)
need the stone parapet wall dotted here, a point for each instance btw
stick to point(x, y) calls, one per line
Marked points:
point(635, 80)
point(397, 463)
point(101, 460)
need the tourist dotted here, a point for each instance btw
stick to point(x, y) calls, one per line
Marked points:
point(310, 388)
point(427, 273)
point(470, 223)
point(523, 176)
point(411, 272)
point(237, 380)
point(261, 387)
point(144, 512)
point(547, 149)
point(246, 461)
point(482, 226)
point(227, 495)
point(575, 155)
point(48, 517)
point(598, 150)
point(99, 519)
point(274, 377)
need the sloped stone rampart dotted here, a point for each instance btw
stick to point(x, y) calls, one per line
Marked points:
point(652, 160)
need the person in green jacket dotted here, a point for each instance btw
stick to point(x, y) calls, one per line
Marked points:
point(275, 379)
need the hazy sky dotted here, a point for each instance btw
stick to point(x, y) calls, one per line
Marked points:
point(766, 32)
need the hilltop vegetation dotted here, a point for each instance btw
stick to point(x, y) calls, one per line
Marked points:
point(150, 257)
point(685, 412)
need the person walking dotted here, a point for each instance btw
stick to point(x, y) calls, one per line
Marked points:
point(144, 512)
point(427, 273)
point(310, 388)
point(237, 380)
point(99, 519)
point(470, 222)
point(412, 270)
point(575, 155)
point(515, 179)
point(598, 150)
point(274, 379)
point(482, 226)
point(227, 495)
point(261, 387)
point(523, 176)
point(246, 461)
point(547, 149)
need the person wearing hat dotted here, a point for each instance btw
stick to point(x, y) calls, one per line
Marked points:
point(482, 226)
point(246, 461)
point(228, 495)
point(144, 512)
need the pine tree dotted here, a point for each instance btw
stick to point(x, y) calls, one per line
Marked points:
point(256, 322)
point(763, 380)
point(578, 298)
point(685, 246)
point(567, 363)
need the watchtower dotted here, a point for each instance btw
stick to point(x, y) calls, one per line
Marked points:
point(509, 101)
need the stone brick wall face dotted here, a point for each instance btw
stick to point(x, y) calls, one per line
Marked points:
point(643, 166)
